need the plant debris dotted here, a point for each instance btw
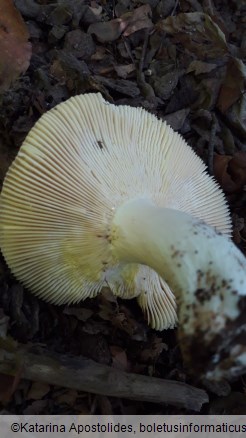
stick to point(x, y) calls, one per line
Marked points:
point(14, 46)
point(182, 60)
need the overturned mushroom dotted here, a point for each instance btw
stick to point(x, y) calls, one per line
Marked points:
point(95, 191)
point(81, 161)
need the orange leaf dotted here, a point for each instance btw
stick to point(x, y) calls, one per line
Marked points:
point(14, 46)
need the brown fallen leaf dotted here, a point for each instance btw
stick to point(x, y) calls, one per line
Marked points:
point(14, 46)
point(4, 323)
point(209, 88)
point(237, 168)
point(95, 8)
point(151, 353)
point(36, 408)
point(119, 358)
point(124, 70)
point(236, 117)
point(165, 85)
point(123, 86)
point(8, 385)
point(231, 171)
point(80, 44)
point(210, 9)
point(177, 119)
point(125, 322)
point(200, 67)
point(238, 228)
point(38, 390)
point(106, 31)
point(221, 173)
point(233, 85)
point(198, 33)
point(67, 396)
point(127, 24)
point(137, 19)
point(82, 314)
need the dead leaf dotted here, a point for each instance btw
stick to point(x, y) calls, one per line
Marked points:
point(8, 385)
point(14, 46)
point(177, 119)
point(82, 314)
point(138, 19)
point(165, 84)
point(238, 227)
point(68, 396)
point(165, 8)
point(198, 33)
point(237, 168)
point(200, 67)
point(80, 44)
point(36, 408)
point(38, 390)
point(124, 70)
point(93, 327)
point(123, 86)
point(119, 358)
point(127, 24)
point(6, 154)
point(153, 351)
point(210, 9)
point(108, 305)
point(99, 54)
point(95, 347)
point(4, 322)
point(125, 322)
point(106, 31)
point(95, 9)
point(233, 85)
point(221, 173)
point(105, 405)
point(236, 117)
point(231, 171)
point(208, 93)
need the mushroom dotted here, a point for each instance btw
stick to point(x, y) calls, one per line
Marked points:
point(109, 195)
point(83, 159)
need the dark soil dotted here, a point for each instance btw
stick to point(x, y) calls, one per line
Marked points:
point(194, 80)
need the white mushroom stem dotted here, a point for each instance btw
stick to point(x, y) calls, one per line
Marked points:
point(205, 270)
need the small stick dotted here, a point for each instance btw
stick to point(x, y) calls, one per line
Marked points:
point(86, 375)
point(144, 48)
point(146, 88)
point(175, 7)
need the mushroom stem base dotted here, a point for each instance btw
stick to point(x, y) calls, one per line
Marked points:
point(205, 270)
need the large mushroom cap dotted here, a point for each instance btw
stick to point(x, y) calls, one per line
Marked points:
point(80, 161)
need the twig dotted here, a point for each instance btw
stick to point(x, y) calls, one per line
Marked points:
point(175, 7)
point(86, 375)
point(144, 48)
point(129, 52)
point(146, 88)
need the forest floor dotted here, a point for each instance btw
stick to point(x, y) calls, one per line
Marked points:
point(181, 60)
